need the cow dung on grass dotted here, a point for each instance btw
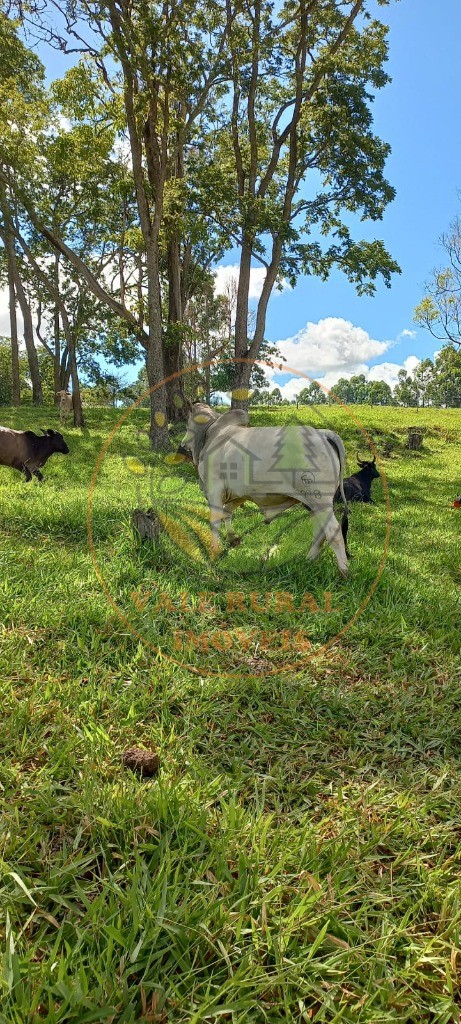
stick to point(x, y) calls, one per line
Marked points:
point(145, 762)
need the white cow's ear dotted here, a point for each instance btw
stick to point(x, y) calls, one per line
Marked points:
point(235, 417)
point(202, 413)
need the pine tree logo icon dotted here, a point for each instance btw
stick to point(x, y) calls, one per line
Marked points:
point(296, 452)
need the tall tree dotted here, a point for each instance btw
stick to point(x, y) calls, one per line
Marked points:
point(440, 309)
point(445, 387)
point(9, 255)
point(299, 115)
point(23, 111)
point(405, 392)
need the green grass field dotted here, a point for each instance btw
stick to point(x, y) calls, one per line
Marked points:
point(298, 856)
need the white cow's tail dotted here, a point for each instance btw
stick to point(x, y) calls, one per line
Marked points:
point(338, 445)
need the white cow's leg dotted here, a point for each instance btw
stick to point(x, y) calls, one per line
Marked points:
point(327, 528)
point(318, 521)
point(335, 539)
point(217, 514)
point(234, 541)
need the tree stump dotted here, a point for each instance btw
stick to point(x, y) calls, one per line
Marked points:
point(387, 449)
point(146, 525)
point(415, 438)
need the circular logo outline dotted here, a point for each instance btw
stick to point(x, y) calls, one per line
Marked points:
point(316, 652)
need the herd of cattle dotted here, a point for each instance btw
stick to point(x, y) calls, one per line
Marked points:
point(273, 467)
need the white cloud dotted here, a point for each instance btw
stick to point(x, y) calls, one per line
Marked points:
point(64, 123)
point(334, 348)
point(223, 275)
point(4, 313)
point(406, 334)
point(332, 344)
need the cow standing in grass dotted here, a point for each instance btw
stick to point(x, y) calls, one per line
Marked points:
point(27, 452)
point(274, 467)
point(66, 405)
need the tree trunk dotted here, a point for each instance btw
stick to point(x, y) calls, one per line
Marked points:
point(76, 396)
point(8, 241)
point(57, 336)
point(158, 430)
point(34, 369)
point(15, 377)
point(242, 368)
point(172, 354)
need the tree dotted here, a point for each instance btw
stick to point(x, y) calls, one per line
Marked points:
point(445, 386)
point(6, 384)
point(23, 112)
point(312, 395)
point(228, 109)
point(423, 376)
point(440, 309)
point(299, 102)
point(353, 391)
point(380, 393)
point(405, 392)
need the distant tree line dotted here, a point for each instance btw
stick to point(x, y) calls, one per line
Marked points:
point(436, 383)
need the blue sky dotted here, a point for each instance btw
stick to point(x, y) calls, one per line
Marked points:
point(418, 113)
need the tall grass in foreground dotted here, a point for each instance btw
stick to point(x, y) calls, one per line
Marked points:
point(298, 857)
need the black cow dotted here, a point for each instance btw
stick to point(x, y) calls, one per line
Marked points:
point(26, 451)
point(358, 486)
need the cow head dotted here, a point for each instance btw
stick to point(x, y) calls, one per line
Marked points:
point(200, 419)
point(57, 442)
point(370, 466)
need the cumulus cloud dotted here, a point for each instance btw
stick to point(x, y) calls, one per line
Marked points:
point(334, 348)
point(389, 371)
point(332, 344)
point(231, 273)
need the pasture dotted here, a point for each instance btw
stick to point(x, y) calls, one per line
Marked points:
point(297, 858)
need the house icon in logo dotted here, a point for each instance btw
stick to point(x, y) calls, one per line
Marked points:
point(241, 467)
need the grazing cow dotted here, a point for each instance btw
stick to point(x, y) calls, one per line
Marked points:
point(358, 486)
point(65, 404)
point(274, 467)
point(26, 451)
point(457, 502)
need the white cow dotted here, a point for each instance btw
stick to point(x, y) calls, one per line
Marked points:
point(65, 404)
point(274, 467)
